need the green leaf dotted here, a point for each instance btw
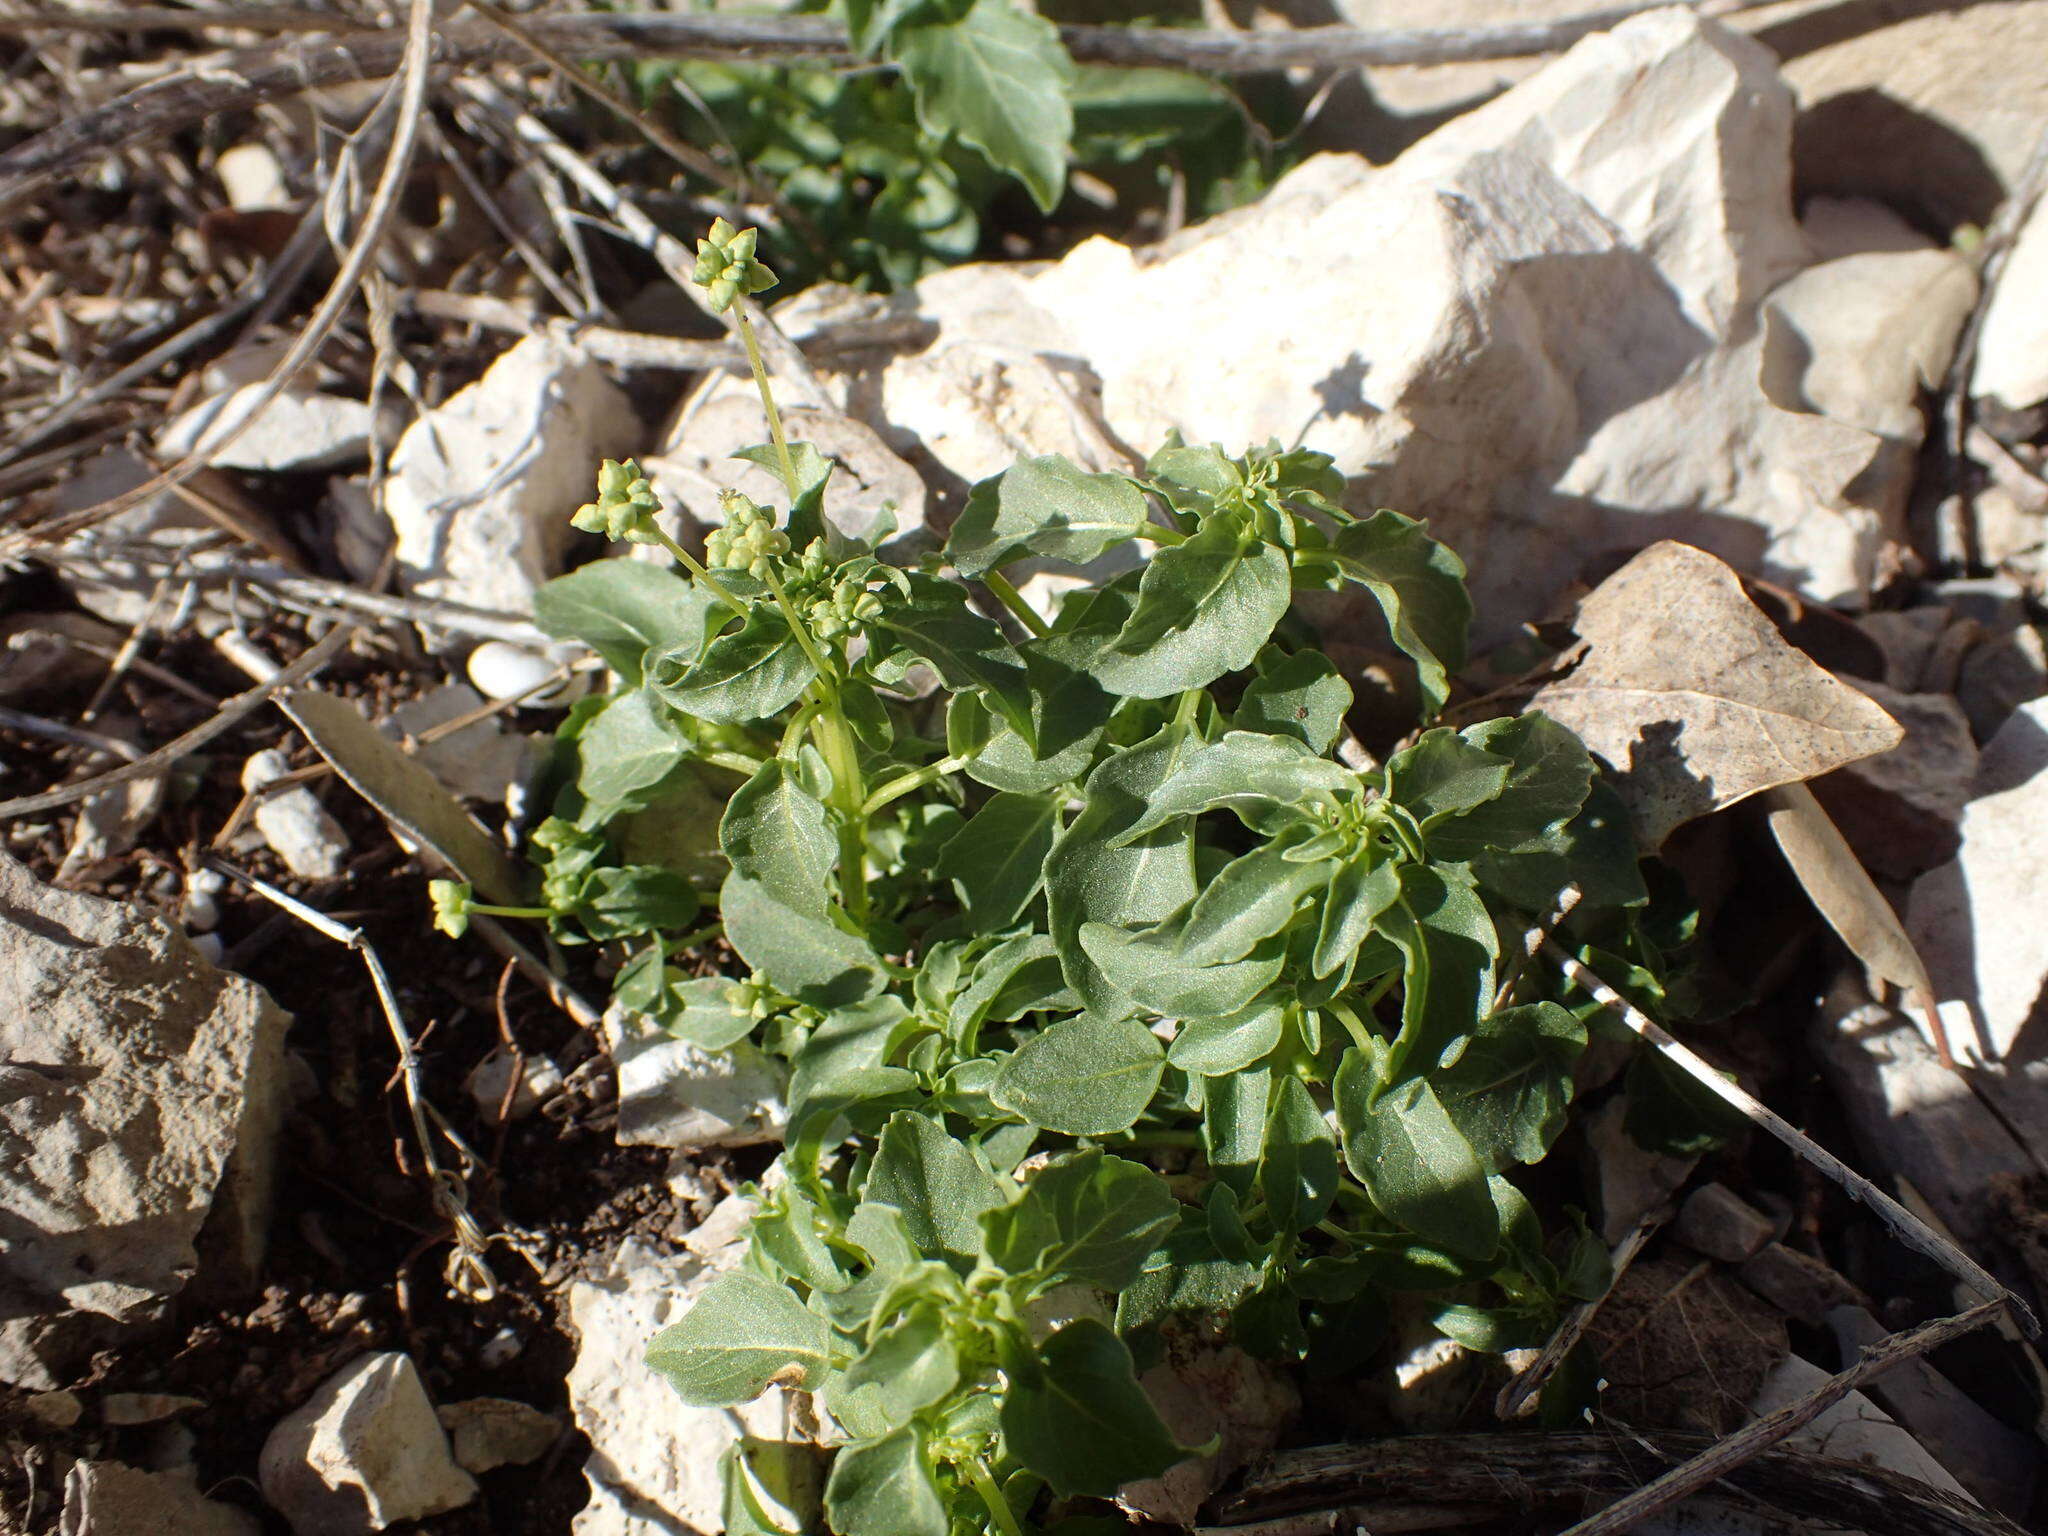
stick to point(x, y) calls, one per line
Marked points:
point(625, 901)
point(1047, 507)
point(910, 1366)
point(1081, 1421)
point(1595, 850)
point(1087, 1217)
point(935, 1182)
point(1083, 1076)
point(1156, 976)
point(1444, 775)
point(1012, 977)
point(1205, 607)
point(804, 954)
point(996, 79)
point(1414, 1161)
point(1187, 1274)
point(1244, 773)
point(1420, 587)
point(1213, 1047)
point(1252, 898)
point(1089, 877)
point(1549, 775)
point(631, 746)
point(776, 832)
point(1360, 891)
point(622, 609)
point(753, 673)
point(1300, 695)
point(789, 1229)
point(743, 1333)
point(965, 649)
point(997, 860)
point(886, 1488)
point(1298, 1175)
point(1509, 1090)
point(1234, 1124)
point(1448, 942)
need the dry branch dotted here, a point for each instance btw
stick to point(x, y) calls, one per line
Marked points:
point(1471, 1477)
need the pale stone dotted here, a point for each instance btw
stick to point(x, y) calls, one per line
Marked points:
point(503, 671)
point(654, 1460)
point(131, 1408)
point(1205, 1391)
point(1721, 1224)
point(364, 1452)
point(1976, 920)
point(292, 432)
point(293, 822)
point(2012, 352)
point(1854, 1429)
point(491, 1432)
point(108, 1498)
point(155, 1096)
point(491, 1079)
point(483, 486)
point(676, 1094)
point(252, 178)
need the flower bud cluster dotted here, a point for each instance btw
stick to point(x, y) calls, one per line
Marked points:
point(726, 266)
point(625, 505)
point(749, 541)
point(836, 614)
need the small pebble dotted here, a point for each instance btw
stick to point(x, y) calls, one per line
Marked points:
point(124, 1408)
point(501, 670)
point(59, 1410)
point(501, 1349)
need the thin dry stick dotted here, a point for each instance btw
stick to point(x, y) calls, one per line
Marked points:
point(57, 730)
point(1907, 1227)
point(675, 258)
point(560, 993)
point(316, 657)
point(467, 1270)
point(1533, 939)
point(410, 94)
point(1754, 1439)
point(1519, 1395)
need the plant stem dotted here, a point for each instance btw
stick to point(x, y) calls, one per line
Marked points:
point(477, 907)
point(767, 398)
point(1158, 533)
point(736, 762)
point(998, 1507)
point(917, 778)
point(1012, 599)
point(702, 935)
point(1351, 1022)
point(695, 567)
point(802, 632)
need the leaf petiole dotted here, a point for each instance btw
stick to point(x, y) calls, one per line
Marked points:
point(916, 779)
point(767, 397)
point(999, 1509)
point(999, 586)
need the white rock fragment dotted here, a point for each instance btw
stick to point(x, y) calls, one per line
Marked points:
point(539, 1079)
point(108, 1498)
point(1976, 920)
point(1855, 1429)
point(483, 486)
point(153, 1099)
point(1716, 1221)
point(56, 1410)
point(486, 1433)
point(2012, 354)
point(252, 177)
point(364, 1452)
point(501, 670)
point(654, 1461)
point(295, 431)
point(294, 822)
point(676, 1094)
point(1204, 1391)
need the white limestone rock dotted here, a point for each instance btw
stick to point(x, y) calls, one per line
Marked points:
point(483, 486)
point(486, 1433)
point(294, 822)
point(2012, 354)
point(297, 430)
point(364, 1452)
point(145, 1090)
point(1539, 327)
point(109, 1498)
point(654, 1461)
point(1976, 920)
point(676, 1094)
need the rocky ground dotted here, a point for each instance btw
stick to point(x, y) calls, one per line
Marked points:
point(1772, 284)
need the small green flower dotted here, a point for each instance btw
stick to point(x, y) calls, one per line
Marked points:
point(749, 541)
point(625, 505)
point(452, 901)
point(726, 266)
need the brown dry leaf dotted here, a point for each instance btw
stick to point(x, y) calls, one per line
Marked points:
point(1683, 1348)
point(1690, 693)
point(409, 798)
point(1843, 891)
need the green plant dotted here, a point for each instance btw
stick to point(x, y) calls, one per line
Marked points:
point(886, 174)
point(1035, 916)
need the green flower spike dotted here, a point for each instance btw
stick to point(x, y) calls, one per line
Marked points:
point(452, 901)
point(726, 267)
point(625, 505)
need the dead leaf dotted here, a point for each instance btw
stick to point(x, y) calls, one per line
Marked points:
point(1838, 885)
point(409, 797)
point(1695, 700)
